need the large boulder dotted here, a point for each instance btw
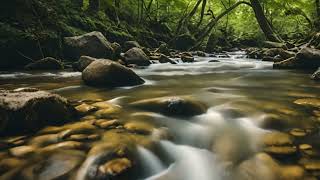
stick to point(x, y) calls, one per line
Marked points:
point(316, 75)
point(47, 63)
point(27, 110)
point(136, 56)
point(109, 74)
point(83, 62)
point(92, 44)
point(172, 106)
point(309, 57)
point(130, 44)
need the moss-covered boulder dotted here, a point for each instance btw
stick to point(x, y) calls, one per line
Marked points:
point(92, 44)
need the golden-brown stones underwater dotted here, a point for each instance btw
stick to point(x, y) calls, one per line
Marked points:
point(100, 146)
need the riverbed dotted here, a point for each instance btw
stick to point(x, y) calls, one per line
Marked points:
point(246, 99)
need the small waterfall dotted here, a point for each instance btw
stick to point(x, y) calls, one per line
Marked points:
point(150, 162)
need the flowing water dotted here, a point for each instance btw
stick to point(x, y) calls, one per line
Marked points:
point(242, 94)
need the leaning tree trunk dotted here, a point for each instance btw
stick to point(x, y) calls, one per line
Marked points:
point(317, 21)
point(94, 5)
point(263, 22)
point(204, 32)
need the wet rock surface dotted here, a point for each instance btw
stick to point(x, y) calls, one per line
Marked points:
point(172, 106)
point(28, 110)
point(136, 56)
point(109, 74)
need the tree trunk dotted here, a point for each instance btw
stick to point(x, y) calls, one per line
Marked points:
point(117, 3)
point(185, 19)
point(317, 23)
point(206, 30)
point(94, 5)
point(263, 22)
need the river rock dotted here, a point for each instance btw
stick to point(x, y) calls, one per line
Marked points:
point(187, 57)
point(309, 102)
point(83, 62)
point(130, 44)
point(316, 75)
point(309, 57)
point(110, 74)
point(117, 49)
point(104, 156)
point(166, 59)
point(28, 111)
point(136, 56)
point(92, 44)
point(47, 63)
point(85, 109)
point(172, 106)
point(201, 54)
point(164, 49)
point(114, 168)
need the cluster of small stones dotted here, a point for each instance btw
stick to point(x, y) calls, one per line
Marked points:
point(296, 147)
point(66, 152)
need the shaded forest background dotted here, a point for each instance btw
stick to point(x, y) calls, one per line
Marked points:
point(33, 29)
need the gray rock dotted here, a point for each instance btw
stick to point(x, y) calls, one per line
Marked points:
point(109, 74)
point(83, 62)
point(166, 59)
point(26, 110)
point(136, 56)
point(130, 44)
point(47, 63)
point(92, 44)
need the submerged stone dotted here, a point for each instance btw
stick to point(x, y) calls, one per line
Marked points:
point(312, 102)
point(172, 106)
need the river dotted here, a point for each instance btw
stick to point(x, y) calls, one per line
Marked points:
point(246, 99)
